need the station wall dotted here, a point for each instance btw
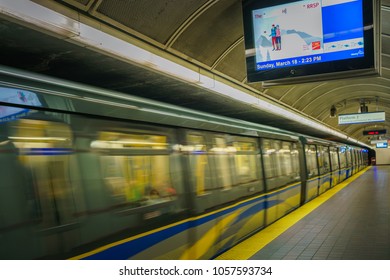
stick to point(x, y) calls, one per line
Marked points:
point(382, 156)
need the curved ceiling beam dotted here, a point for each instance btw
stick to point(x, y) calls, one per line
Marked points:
point(305, 94)
point(325, 112)
point(336, 100)
point(188, 22)
point(287, 92)
point(81, 6)
point(93, 5)
point(226, 52)
point(341, 88)
point(358, 131)
point(345, 108)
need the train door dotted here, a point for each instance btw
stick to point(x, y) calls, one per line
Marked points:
point(195, 151)
point(343, 163)
point(246, 174)
point(282, 176)
point(222, 169)
point(312, 183)
point(16, 219)
point(349, 167)
point(362, 159)
point(358, 159)
point(335, 166)
point(324, 168)
point(365, 158)
point(353, 161)
point(45, 149)
point(138, 170)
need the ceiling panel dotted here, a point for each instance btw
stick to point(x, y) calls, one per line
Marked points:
point(157, 20)
point(212, 33)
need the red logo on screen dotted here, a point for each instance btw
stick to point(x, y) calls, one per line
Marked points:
point(316, 45)
point(312, 6)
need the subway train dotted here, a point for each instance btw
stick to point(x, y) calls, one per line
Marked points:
point(88, 173)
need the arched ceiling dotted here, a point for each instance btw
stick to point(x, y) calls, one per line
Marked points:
point(205, 33)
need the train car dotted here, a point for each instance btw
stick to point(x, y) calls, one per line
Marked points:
point(94, 174)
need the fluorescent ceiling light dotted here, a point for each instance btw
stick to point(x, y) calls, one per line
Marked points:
point(37, 15)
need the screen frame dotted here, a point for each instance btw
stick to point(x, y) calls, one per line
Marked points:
point(353, 67)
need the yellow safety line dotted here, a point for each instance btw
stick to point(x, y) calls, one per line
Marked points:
point(256, 242)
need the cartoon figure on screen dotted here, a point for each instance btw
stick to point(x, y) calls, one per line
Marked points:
point(278, 38)
point(273, 36)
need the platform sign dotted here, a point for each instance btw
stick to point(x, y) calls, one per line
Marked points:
point(362, 118)
point(377, 141)
point(382, 145)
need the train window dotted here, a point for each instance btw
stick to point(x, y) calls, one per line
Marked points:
point(334, 159)
point(269, 159)
point(118, 140)
point(361, 157)
point(291, 159)
point(200, 174)
point(365, 157)
point(245, 162)
point(349, 157)
point(323, 159)
point(352, 154)
point(278, 156)
point(281, 162)
point(343, 158)
point(285, 155)
point(357, 159)
point(220, 152)
point(311, 160)
point(135, 167)
point(45, 150)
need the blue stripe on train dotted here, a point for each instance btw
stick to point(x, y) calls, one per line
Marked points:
point(46, 151)
point(131, 248)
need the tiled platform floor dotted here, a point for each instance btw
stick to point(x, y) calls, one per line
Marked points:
point(354, 224)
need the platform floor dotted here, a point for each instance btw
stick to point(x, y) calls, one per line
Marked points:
point(350, 221)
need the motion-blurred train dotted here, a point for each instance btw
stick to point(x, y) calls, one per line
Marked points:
point(87, 173)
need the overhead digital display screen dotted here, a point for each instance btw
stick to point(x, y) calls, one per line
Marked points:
point(285, 39)
point(306, 32)
point(375, 132)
